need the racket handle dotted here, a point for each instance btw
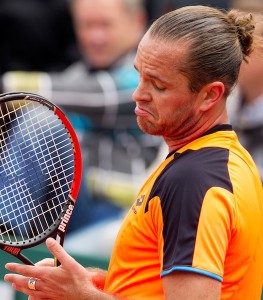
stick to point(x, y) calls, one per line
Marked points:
point(60, 240)
point(56, 262)
point(24, 259)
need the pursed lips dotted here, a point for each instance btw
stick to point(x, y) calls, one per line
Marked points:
point(139, 111)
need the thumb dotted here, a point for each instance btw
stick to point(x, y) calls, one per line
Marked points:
point(61, 255)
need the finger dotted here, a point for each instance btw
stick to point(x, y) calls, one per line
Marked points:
point(20, 284)
point(62, 256)
point(37, 298)
point(16, 279)
point(35, 294)
point(47, 262)
point(26, 270)
point(32, 298)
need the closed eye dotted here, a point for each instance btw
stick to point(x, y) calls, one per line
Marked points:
point(157, 87)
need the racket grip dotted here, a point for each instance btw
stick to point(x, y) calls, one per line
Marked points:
point(60, 240)
point(56, 262)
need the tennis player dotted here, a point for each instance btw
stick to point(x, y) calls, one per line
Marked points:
point(195, 230)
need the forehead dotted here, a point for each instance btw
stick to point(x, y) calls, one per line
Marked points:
point(93, 8)
point(154, 53)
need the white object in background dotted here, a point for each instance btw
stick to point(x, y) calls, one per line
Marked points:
point(6, 291)
point(96, 240)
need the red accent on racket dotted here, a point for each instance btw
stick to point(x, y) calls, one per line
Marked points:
point(40, 172)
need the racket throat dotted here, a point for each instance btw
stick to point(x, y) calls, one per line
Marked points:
point(65, 219)
point(16, 252)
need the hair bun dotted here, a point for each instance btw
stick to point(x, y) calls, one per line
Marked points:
point(245, 27)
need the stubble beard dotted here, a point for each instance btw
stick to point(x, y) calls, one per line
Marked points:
point(177, 131)
point(148, 127)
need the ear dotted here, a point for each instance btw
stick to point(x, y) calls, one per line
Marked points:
point(211, 94)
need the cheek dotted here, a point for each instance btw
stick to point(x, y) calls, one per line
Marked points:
point(168, 115)
point(171, 107)
point(182, 113)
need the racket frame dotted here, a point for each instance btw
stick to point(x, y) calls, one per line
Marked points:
point(59, 227)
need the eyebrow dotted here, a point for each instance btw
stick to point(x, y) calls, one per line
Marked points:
point(152, 76)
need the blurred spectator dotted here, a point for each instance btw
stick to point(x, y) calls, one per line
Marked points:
point(251, 6)
point(36, 35)
point(95, 93)
point(245, 105)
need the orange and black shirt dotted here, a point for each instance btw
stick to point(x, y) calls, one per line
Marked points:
point(200, 211)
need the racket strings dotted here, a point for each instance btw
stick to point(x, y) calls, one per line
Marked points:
point(23, 195)
point(36, 169)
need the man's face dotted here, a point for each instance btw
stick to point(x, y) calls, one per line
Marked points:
point(165, 105)
point(104, 29)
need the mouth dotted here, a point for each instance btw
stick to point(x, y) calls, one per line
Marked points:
point(141, 112)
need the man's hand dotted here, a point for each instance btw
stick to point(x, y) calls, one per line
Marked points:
point(69, 281)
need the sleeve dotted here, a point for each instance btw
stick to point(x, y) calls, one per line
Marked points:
point(198, 217)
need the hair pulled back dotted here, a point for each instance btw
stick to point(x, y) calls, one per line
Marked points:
point(245, 27)
point(217, 42)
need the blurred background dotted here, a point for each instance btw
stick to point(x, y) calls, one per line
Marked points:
point(39, 35)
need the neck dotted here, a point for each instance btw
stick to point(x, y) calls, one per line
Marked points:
point(200, 128)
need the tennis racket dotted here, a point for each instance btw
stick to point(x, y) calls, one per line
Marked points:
point(40, 172)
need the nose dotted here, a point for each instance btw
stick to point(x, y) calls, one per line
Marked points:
point(98, 34)
point(141, 93)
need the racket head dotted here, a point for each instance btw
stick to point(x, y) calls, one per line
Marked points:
point(40, 171)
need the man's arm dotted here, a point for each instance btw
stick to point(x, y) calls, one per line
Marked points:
point(190, 286)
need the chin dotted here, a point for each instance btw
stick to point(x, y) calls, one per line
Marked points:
point(99, 63)
point(147, 127)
